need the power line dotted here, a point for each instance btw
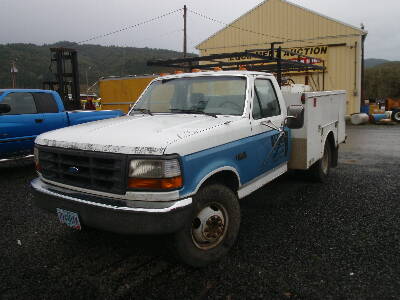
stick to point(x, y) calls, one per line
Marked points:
point(233, 26)
point(131, 26)
point(161, 35)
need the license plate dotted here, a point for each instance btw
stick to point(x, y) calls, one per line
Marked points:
point(69, 218)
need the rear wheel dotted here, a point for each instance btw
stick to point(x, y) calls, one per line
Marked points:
point(213, 228)
point(320, 170)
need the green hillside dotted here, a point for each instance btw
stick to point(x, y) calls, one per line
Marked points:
point(383, 80)
point(373, 62)
point(33, 61)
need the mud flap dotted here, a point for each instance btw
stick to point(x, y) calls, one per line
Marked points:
point(335, 156)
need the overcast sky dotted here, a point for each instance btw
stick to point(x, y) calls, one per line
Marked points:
point(48, 21)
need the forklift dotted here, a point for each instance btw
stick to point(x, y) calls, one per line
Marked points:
point(66, 81)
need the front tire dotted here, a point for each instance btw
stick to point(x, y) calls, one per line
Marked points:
point(213, 228)
point(396, 115)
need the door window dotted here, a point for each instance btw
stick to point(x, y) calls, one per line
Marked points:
point(265, 102)
point(20, 103)
point(45, 103)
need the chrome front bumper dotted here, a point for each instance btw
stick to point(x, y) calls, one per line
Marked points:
point(115, 215)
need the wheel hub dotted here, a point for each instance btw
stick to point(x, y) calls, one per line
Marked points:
point(208, 228)
point(214, 227)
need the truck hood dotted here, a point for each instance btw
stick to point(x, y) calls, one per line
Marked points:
point(140, 134)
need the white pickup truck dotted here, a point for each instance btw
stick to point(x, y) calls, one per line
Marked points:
point(189, 149)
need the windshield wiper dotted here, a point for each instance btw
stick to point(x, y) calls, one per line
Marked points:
point(143, 110)
point(193, 111)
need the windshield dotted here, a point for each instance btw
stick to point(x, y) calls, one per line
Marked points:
point(214, 95)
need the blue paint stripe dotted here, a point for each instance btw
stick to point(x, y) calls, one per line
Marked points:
point(197, 166)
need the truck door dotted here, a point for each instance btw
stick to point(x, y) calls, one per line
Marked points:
point(271, 149)
point(52, 117)
point(20, 126)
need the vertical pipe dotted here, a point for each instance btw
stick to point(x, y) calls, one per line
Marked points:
point(279, 64)
point(362, 67)
point(323, 76)
point(356, 92)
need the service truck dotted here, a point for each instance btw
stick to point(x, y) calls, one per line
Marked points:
point(189, 149)
point(26, 113)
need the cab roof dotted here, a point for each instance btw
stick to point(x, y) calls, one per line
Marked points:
point(214, 73)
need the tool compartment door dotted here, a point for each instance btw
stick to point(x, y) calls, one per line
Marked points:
point(323, 113)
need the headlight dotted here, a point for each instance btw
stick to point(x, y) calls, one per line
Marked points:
point(154, 174)
point(149, 168)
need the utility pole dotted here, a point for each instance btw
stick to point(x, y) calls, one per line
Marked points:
point(184, 31)
point(13, 74)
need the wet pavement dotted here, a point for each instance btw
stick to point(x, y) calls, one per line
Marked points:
point(298, 240)
point(379, 142)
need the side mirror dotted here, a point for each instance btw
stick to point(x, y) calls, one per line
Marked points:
point(295, 116)
point(4, 108)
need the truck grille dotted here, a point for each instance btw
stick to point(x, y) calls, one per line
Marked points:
point(90, 170)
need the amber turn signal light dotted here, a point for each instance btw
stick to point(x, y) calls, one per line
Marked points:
point(155, 184)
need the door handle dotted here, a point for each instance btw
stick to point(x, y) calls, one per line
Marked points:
point(38, 120)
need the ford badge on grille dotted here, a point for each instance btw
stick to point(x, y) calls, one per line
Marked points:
point(73, 170)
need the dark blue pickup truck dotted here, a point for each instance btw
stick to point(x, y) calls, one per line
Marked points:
point(24, 114)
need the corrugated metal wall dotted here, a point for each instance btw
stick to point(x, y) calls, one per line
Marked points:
point(297, 27)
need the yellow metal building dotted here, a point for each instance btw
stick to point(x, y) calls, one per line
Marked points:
point(305, 32)
point(121, 92)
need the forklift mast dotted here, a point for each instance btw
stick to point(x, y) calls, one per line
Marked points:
point(66, 76)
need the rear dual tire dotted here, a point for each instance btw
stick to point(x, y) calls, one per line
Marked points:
point(320, 170)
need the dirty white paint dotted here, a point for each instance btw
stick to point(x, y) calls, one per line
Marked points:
point(139, 134)
point(101, 148)
point(157, 134)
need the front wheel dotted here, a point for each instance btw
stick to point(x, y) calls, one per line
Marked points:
point(213, 228)
point(396, 115)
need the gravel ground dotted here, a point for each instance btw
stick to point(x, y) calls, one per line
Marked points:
point(298, 240)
